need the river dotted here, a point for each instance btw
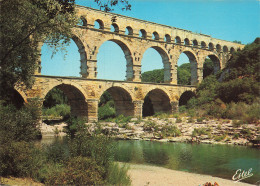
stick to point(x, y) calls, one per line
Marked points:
point(216, 160)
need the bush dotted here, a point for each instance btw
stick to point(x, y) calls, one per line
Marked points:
point(220, 138)
point(19, 125)
point(78, 171)
point(150, 126)
point(61, 110)
point(170, 131)
point(201, 131)
point(117, 175)
point(178, 120)
point(237, 123)
point(106, 111)
point(236, 136)
point(20, 159)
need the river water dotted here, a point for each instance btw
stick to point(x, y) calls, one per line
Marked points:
point(216, 160)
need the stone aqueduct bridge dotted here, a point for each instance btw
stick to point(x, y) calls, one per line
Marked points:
point(134, 36)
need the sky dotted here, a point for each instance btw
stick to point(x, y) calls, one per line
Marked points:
point(223, 19)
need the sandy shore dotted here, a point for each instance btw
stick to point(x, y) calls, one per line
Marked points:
point(150, 175)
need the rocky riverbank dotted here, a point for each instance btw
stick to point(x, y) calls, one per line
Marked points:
point(172, 130)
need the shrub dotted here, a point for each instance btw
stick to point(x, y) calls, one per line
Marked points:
point(106, 111)
point(78, 171)
point(220, 138)
point(201, 131)
point(236, 136)
point(57, 152)
point(20, 159)
point(150, 126)
point(61, 110)
point(19, 125)
point(170, 131)
point(117, 175)
point(178, 120)
point(246, 133)
point(237, 123)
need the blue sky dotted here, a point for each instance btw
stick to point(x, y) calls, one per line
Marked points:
point(223, 19)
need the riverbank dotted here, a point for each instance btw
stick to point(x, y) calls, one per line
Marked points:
point(152, 175)
point(144, 175)
point(172, 130)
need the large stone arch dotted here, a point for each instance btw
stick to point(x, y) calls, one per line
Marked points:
point(127, 52)
point(185, 96)
point(216, 61)
point(156, 100)
point(123, 100)
point(75, 94)
point(81, 49)
point(165, 60)
point(193, 63)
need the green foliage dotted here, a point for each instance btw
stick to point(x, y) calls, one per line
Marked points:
point(57, 152)
point(246, 133)
point(106, 97)
point(236, 136)
point(201, 131)
point(208, 68)
point(19, 159)
point(245, 63)
point(19, 125)
point(184, 74)
point(23, 25)
point(117, 175)
point(61, 110)
point(178, 120)
point(75, 124)
point(150, 126)
point(106, 111)
point(219, 138)
point(55, 97)
point(155, 76)
point(78, 171)
point(170, 131)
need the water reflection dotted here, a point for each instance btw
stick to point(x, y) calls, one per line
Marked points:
point(216, 160)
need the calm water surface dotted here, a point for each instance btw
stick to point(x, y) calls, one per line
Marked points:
point(216, 160)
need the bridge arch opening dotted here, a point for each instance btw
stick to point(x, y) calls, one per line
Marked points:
point(153, 70)
point(64, 95)
point(156, 101)
point(225, 49)
point(203, 44)
point(195, 43)
point(114, 61)
point(211, 65)
point(186, 42)
point(211, 46)
point(218, 48)
point(114, 28)
point(185, 97)
point(177, 40)
point(129, 31)
point(64, 63)
point(232, 50)
point(82, 21)
point(167, 38)
point(119, 99)
point(143, 34)
point(98, 24)
point(156, 36)
point(187, 69)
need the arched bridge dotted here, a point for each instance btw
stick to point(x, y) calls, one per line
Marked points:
point(134, 36)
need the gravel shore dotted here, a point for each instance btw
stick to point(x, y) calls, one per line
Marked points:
point(143, 175)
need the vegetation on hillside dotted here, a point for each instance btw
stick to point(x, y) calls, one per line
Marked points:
point(234, 93)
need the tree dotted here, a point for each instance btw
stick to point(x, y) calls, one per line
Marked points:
point(24, 24)
point(184, 74)
point(208, 68)
point(155, 76)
